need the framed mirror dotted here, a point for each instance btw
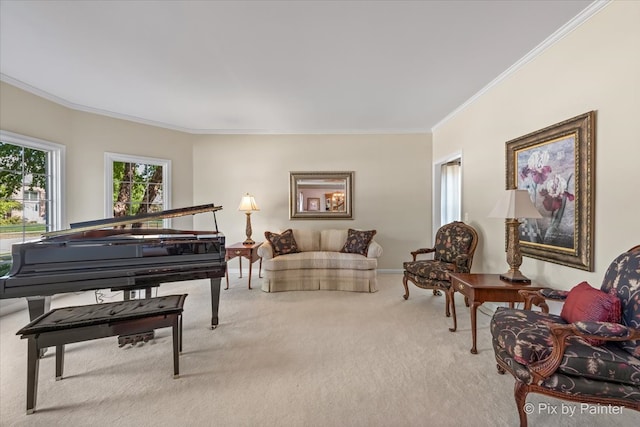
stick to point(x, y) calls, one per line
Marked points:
point(321, 195)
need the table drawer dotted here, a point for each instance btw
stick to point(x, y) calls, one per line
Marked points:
point(460, 287)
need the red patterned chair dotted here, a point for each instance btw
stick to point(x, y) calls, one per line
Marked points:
point(452, 253)
point(589, 353)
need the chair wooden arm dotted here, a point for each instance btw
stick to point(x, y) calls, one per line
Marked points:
point(422, 251)
point(532, 298)
point(559, 334)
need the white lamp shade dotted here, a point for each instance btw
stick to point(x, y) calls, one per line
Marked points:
point(515, 204)
point(248, 204)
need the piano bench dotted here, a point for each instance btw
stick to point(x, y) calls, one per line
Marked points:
point(132, 320)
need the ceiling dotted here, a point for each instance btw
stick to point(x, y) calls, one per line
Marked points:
point(273, 66)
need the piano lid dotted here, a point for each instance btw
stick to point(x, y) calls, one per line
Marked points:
point(80, 227)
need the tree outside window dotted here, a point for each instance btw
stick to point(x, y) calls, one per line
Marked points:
point(137, 185)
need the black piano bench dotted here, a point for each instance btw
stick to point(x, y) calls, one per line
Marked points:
point(131, 320)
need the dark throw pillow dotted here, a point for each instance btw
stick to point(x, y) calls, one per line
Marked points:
point(358, 242)
point(587, 304)
point(283, 243)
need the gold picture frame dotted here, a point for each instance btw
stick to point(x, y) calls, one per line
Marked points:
point(556, 166)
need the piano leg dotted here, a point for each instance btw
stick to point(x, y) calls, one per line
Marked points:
point(38, 306)
point(215, 300)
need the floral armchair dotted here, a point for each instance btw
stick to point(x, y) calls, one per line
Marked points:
point(589, 353)
point(452, 253)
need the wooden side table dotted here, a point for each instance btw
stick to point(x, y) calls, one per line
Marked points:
point(480, 288)
point(241, 250)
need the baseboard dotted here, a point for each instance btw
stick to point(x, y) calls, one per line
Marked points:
point(13, 305)
point(8, 306)
point(488, 308)
point(245, 270)
point(236, 270)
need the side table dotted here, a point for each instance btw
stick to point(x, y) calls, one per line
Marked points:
point(480, 288)
point(241, 250)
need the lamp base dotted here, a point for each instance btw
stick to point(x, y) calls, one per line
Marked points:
point(249, 240)
point(515, 277)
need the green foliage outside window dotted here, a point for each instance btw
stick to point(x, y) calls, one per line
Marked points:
point(6, 206)
point(137, 188)
point(22, 169)
point(16, 162)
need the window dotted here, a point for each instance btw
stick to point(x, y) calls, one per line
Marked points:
point(31, 195)
point(450, 192)
point(30, 190)
point(137, 185)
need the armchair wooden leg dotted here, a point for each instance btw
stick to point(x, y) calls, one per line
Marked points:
point(520, 393)
point(406, 287)
point(447, 297)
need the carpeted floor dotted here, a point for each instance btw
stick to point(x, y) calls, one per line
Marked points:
point(284, 359)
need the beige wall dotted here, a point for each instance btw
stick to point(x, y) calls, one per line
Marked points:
point(392, 183)
point(596, 67)
point(392, 172)
point(86, 138)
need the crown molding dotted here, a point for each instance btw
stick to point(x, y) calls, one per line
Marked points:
point(418, 131)
point(73, 106)
point(561, 33)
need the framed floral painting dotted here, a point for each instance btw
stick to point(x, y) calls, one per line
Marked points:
point(556, 166)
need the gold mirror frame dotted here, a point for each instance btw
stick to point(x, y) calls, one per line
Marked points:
point(321, 195)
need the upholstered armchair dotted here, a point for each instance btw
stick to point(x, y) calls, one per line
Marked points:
point(589, 353)
point(453, 251)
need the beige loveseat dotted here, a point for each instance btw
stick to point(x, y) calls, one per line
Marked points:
point(318, 264)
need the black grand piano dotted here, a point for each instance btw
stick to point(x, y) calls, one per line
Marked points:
point(94, 255)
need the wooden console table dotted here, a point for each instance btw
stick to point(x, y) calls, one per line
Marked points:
point(480, 288)
point(241, 250)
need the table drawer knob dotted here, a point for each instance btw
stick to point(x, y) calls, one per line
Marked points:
point(460, 286)
point(238, 252)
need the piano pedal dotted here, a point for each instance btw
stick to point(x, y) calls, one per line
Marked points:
point(135, 338)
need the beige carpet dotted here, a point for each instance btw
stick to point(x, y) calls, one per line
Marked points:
point(286, 359)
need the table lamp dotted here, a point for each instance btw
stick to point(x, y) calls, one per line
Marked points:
point(512, 205)
point(248, 205)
